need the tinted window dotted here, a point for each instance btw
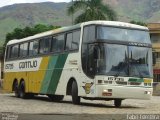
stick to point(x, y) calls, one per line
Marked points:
point(30, 48)
point(7, 52)
point(89, 34)
point(45, 45)
point(76, 39)
point(58, 43)
point(14, 51)
point(122, 34)
point(23, 50)
point(69, 41)
point(54, 44)
point(72, 41)
point(33, 48)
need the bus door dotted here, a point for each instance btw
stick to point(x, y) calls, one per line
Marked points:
point(90, 63)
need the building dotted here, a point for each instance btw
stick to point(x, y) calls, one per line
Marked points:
point(154, 29)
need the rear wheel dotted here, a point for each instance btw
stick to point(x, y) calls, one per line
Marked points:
point(16, 89)
point(75, 97)
point(117, 103)
point(56, 98)
point(22, 91)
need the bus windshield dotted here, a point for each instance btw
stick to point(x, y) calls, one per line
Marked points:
point(122, 34)
point(122, 60)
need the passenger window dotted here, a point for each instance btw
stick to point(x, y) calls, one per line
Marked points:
point(72, 41)
point(76, 39)
point(33, 48)
point(58, 43)
point(45, 45)
point(7, 53)
point(30, 48)
point(54, 44)
point(69, 41)
point(14, 51)
point(23, 50)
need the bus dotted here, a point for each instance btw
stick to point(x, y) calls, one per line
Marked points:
point(94, 60)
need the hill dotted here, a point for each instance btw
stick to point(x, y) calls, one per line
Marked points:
point(49, 13)
point(21, 15)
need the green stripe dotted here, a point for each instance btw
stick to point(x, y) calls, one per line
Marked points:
point(135, 80)
point(53, 74)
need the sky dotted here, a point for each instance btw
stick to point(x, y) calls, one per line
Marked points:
point(10, 2)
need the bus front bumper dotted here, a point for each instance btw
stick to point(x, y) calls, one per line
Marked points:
point(123, 92)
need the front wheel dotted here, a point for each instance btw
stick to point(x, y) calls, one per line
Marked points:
point(75, 97)
point(117, 103)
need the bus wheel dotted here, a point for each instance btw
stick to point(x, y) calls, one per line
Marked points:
point(16, 90)
point(56, 98)
point(117, 103)
point(22, 90)
point(75, 97)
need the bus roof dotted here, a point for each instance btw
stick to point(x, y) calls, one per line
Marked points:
point(116, 24)
point(64, 29)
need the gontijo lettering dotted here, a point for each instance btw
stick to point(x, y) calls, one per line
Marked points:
point(28, 64)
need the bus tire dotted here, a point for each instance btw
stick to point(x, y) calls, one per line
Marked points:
point(75, 97)
point(16, 89)
point(117, 103)
point(56, 98)
point(22, 92)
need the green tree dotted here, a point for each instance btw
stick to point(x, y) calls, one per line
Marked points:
point(92, 10)
point(19, 33)
point(138, 23)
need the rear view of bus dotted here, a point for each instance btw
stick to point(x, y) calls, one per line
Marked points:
point(118, 56)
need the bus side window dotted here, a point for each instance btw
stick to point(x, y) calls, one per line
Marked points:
point(14, 51)
point(23, 50)
point(7, 53)
point(57, 43)
point(33, 48)
point(69, 41)
point(44, 45)
point(76, 39)
point(60, 43)
point(54, 43)
point(30, 48)
point(72, 41)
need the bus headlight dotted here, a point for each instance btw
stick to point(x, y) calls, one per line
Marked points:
point(148, 92)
